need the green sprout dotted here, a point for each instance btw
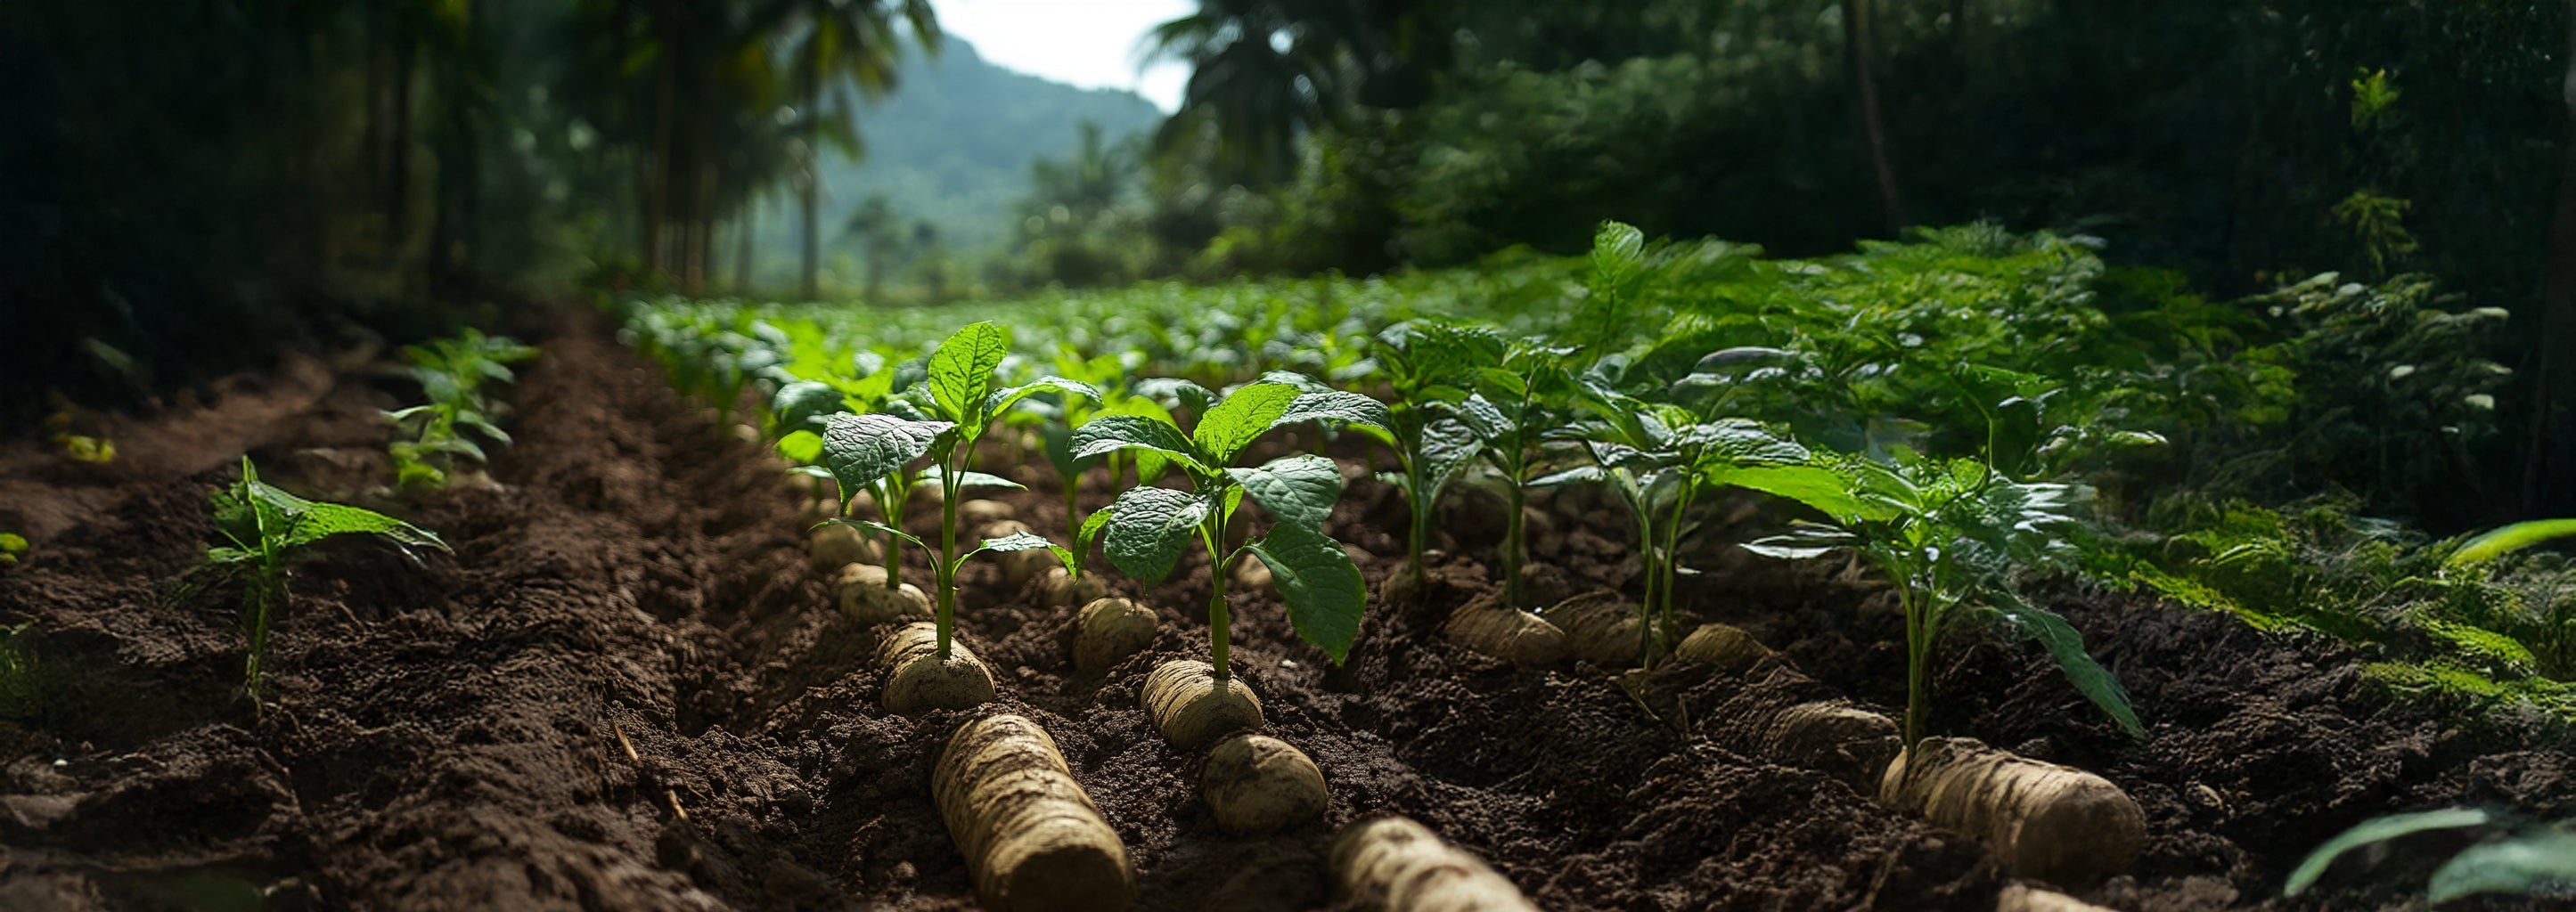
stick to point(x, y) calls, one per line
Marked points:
point(265, 531)
point(959, 401)
point(1951, 536)
point(1149, 527)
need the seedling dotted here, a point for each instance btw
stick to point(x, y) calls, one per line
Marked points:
point(12, 547)
point(266, 530)
point(1517, 402)
point(1059, 415)
point(451, 373)
point(1659, 459)
point(1430, 365)
point(1149, 527)
point(1950, 537)
point(959, 405)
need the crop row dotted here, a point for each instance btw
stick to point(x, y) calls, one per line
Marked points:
point(1940, 407)
point(1952, 534)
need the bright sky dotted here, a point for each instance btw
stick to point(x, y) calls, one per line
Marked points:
point(1090, 43)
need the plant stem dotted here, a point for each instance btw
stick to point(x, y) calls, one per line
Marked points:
point(1672, 549)
point(1515, 497)
point(892, 492)
point(1654, 567)
point(1917, 649)
point(949, 474)
point(1218, 619)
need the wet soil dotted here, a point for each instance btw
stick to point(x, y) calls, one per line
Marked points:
point(625, 689)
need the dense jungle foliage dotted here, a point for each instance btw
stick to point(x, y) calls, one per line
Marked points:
point(191, 179)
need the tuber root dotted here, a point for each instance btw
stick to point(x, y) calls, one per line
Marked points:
point(833, 546)
point(1064, 588)
point(1259, 784)
point(1192, 708)
point(1852, 743)
point(2047, 822)
point(865, 598)
point(1034, 840)
point(2019, 898)
point(978, 513)
point(1250, 574)
point(1728, 648)
point(917, 680)
point(1397, 865)
point(1600, 628)
point(1018, 566)
point(1509, 634)
point(1109, 630)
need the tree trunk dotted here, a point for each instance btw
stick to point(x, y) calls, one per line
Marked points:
point(744, 227)
point(1857, 46)
point(2549, 471)
point(813, 189)
point(702, 192)
point(398, 148)
point(657, 189)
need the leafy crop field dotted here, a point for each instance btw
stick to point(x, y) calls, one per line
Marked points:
point(1932, 576)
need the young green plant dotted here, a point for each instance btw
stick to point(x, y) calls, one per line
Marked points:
point(1515, 404)
point(961, 402)
point(1950, 536)
point(265, 530)
point(1429, 365)
point(452, 374)
point(1149, 526)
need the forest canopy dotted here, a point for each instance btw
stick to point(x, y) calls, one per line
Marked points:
point(186, 181)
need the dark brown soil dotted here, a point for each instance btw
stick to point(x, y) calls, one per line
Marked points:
point(454, 734)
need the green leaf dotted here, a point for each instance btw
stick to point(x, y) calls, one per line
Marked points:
point(961, 371)
point(938, 474)
point(1325, 594)
point(2374, 830)
point(1002, 400)
point(1111, 433)
point(2495, 543)
point(2067, 647)
point(1088, 535)
point(1344, 408)
point(2537, 863)
point(803, 447)
point(252, 510)
point(1017, 541)
point(1816, 486)
point(805, 406)
point(1150, 528)
point(1448, 446)
point(1300, 490)
point(1176, 392)
point(876, 526)
point(859, 449)
point(1232, 424)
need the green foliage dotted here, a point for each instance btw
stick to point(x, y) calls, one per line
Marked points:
point(13, 547)
point(1149, 527)
point(959, 401)
point(1952, 536)
point(2517, 859)
point(2498, 542)
point(2463, 622)
point(453, 374)
point(266, 529)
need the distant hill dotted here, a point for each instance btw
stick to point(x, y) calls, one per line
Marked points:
point(952, 146)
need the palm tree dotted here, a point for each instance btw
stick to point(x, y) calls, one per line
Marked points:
point(1263, 72)
point(853, 39)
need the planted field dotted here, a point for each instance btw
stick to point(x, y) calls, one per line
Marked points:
point(1278, 597)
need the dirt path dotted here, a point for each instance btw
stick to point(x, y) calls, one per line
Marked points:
point(455, 735)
